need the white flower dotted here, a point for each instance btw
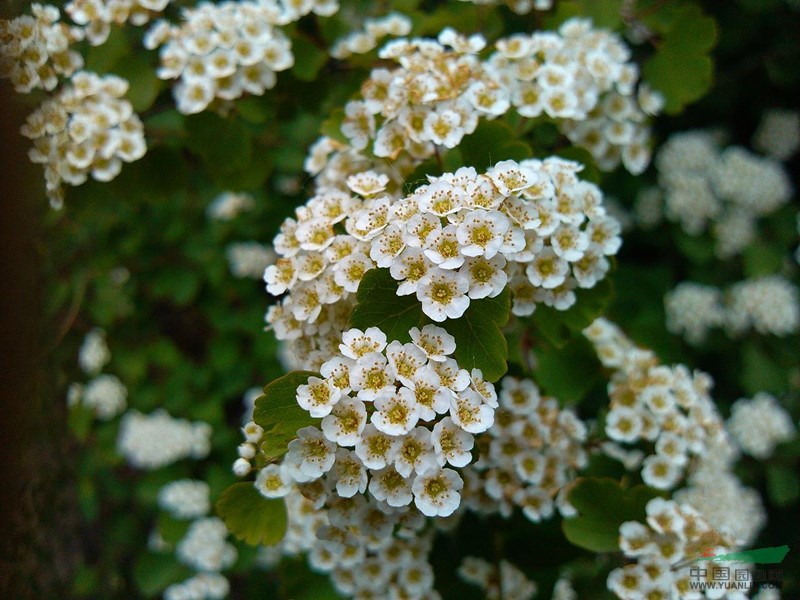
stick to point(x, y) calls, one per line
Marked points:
point(106, 395)
point(409, 268)
point(185, 498)
point(547, 270)
point(442, 248)
point(376, 449)
point(387, 246)
point(623, 424)
point(443, 128)
point(273, 481)
point(470, 413)
point(482, 233)
point(345, 422)
point(349, 474)
point(405, 360)
point(487, 278)
point(431, 396)
point(390, 486)
point(318, 397)
point(660, 472)
point(451, 375)
point(521, 397)
point(415, 453)
point(310, 455)
point(434, 341)
point(357, 343)
point(443, 294)
point(452, 444)
point(436, 492)
point(280, 276)
point(509, 176)
point(349, 271)
point(569, 242)
point(367, 183)
point(337, 372)
point(372, 376)
point(396, 412)
point(94, 353)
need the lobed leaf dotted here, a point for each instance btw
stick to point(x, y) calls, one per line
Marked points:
point(603, 505)
point(250, 517)
point(380, 306)
point(480, 343)
point(279, 414)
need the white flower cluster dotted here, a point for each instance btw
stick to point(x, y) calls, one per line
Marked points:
point(229, 205)
point(423, 412)
point(563, 590)
point(249, 259)
point(105, 395)
point(778, 134)
point(94, 353)
point(533, 450)
point(185, 498)
point(34, 50)
point(353, 541)
point(728, 189)
point(351, 510)
point(441, 89)
point(156, 440)
point(769, 305)
point(667, 406)
point(506, 582)
point(673, 532)
point(520, 7)
point(533, 226)
point(203, 586)
point(87, 128)
point(729, 507)
point(228, 49)
point(97, 16)
point(693, 310)
point(373, 31)
point(204, 547)
point(760, 424)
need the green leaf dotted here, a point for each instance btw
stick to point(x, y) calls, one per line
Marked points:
point(559, 326)
point(682, 78)
point(332, 126)
point(567, 373)
point(154, 572)
point(762, 259)
point(279, 414)
point(480, 343)
point(308, 59)
point(380, 306)
point(224, 144)
point(171, 529)
point(492, 142)
point(254, 109)
point(759, 372)
point(141, 74)
point(603, 505)
point(603, 13)
point(783, 485)
point(100, 59)
point(250, 517)
point(80, 420)
point(681, 68)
